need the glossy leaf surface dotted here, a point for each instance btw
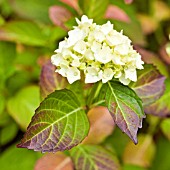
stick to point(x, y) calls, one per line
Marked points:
point(125, 107)
point(59, 124)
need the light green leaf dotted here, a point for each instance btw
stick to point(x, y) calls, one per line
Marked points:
point(125, 107)
point(17, 159)
point(25, 32)
point(93, 157)
point(33, 9)
point(8, 132)
point(94, 8)
point(22, 106)
point(59, 124)
point(7, 57)
point(165, 126)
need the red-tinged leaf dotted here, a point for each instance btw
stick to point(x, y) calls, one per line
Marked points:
point(141, 154)
point(114, 12)
point(101, 125)
point(93, 157)
point(151, 58)
point(128, 1)
point(59, 124)
point(150, 85)
point(161, 107)
point(125, 107)
point(72, 3)
point(59, 15)
point(57, 161)
point(50, 80)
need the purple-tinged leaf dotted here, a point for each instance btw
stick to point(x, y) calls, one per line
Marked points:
point(161, 107)
point(125, 107)
point(150, 85)
point(59, 124)
point(59, 15)
point(93, 157)
point(114, 12)
point(50, 80)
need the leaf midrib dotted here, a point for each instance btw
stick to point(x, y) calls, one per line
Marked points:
point(58, 120)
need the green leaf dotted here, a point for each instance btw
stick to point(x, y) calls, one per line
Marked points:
point(8, 132)
point(33, 9)
point(150, 85)
point(165, 127)
point(7, 57)
point(132, 167)
point(77, 88)
point(125, 107)
point(24, 32)
point(162, 155)
point(22, 106)
point(17, 159)
point(50, 80)
point(2, 103)
point(59, 124)
point(93, 157)
point(94, 8)
point(161, 107)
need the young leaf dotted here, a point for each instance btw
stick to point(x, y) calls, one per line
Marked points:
point(59, 124)
point(161, 107)
point(57, 161)
point(50, 80)
point(125, 107)
point(150, 85)
point(93, 157)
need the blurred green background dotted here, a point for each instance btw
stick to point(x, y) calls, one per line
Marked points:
point(29, 33)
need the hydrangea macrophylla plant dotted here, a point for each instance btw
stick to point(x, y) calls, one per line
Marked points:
point(99, 55)
point(99, 51)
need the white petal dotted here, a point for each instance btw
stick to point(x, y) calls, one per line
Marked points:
point(124, 80)
point(106, 28)
point(80, 47)
point(73, 74)
point(122, 49)
point(107, 75)
point(130, 73)
point(56, 59)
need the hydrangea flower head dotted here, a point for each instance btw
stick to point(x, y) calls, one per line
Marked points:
point(97, 51)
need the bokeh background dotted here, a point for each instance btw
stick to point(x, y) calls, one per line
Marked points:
point(29, 33)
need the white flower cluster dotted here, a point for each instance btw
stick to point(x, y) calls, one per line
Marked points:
point(97, 51)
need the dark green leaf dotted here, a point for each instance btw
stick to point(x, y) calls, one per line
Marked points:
point(162, 106)
point(93, 157)
point(125, 107)
point(22, 106)
point(59, 124)
point(150, 85)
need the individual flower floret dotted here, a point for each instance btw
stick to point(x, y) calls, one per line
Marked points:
point(97, 51)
